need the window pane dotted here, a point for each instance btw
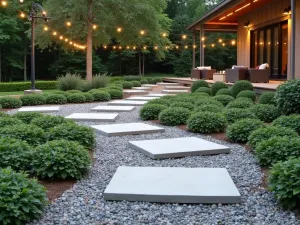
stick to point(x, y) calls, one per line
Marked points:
point(284, 49)
point(261, 47)
point(275, 51)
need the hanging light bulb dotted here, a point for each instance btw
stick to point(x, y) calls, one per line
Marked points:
point(22, 15)
point(120, 47)
point(142, 32)
point(66, 40)
point(186, 47)
point(68, 23)
point(145, 47)
point(212, 45)
point(46, 28)
point(233, 42)
point(119, 29)
point(134, 47)
point(114, 47)
point(105, 47)
point(128, 47)
point(194, 46)
point(21, 1)
point(155, 47)
point(61, 37)
point(4, 3)
point(94, 26)
point(164, 34)
point(177, 47)
point(54, 33)
point(223, 44)
point(203, 39)
point(71, 43)
point(184, 36)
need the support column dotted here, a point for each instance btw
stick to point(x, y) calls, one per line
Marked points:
point(293, 38)
point(203, 49)
point(200, 46)
point(194, 50)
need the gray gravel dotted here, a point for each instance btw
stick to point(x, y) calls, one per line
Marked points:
point(84, 204)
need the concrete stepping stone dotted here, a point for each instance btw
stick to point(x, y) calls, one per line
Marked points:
point(174, 91)
point(172, 185)
point(127, 103)
point(178, 147)
point(143, 88)
point(157, 95)
point(39, 109)
point(141, 98)
point(177, 88)
point(127, 129)
point(135, 92)
point(168, 84)
point(99, 117)
point(105, 108)
point(150, 85)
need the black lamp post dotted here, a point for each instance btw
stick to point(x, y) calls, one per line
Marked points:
point(33, 17)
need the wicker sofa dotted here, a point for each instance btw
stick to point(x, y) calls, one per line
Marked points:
point(205, 73)
point(237, 73)
point(259, 75)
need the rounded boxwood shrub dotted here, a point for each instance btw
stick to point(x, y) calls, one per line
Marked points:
point(85, 136)
point(101, 96)
point(88, 97)
point(264, 112)
point(151, 111)
point(203, 89)
point(144, 81)
point(217, 86)
point(241, 103)
point(115, 94)
point(60, 159)
point(8, 121)
point(114, 87)
point(34, 99)
point(291, 121)
point(56, 99)
point(224, 91)
point(277, 149)
point(207, 122)
point(267, 98)
point(182, 99)
point(46, 122)
point(284, 182)
point(287, 97)
point(174, 116)
point(208, 101)
point(209, 108)
point(27, 117)
point(157, 79)
point(234, 114)
point(22, 199)
point(159, 101)
point(76, 98)
point(151, 80)
point(30, 133)
point(74, 92)
point(136, 83)
point(14, 153)
point(241, 130)
point(127, 85)
point(2, 114)
point(57, 92)
point(241, 85)
point(247, 94)
point(198, 84)
point(10, 103)
point(200, 94)
point(265, 133)
point(224, 99)
point(181, 104)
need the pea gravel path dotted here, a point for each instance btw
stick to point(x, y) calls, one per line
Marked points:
point(84, 204)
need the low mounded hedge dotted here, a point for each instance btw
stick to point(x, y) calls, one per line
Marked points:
point(265, 133)
point(198, 84)
point(8, 121)
point(22, 199)
point(88, 97)
point(151, 111)
point(291, 121)
point(27, 117)
point(284, 182)
point(208, 101)
point(159, 101)
point(184, 99)
point(60, 159)
point(218, 86)
point(127, 85)
point(100, 96)
point(10, 103)
point(74, 92)
point(34, 99)
point(224, 91)
point(241, 85)
point(207, 122)
point(247, 94)
point(115, 94)
point(241, 130)
point(203, 90)
point(21, 86)
point(144, 81)
point(209, 108)
point(56, 99)
point(234, 114)
point(241, 103)
point(267, 98)
point(185, 105)
point(174, 116)
point(46, 122)
point(224, 99)
point(136, 83)
point(265, 112)
point(76, 98)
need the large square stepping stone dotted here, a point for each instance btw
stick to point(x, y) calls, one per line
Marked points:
point(143, 88)
point(157, 95)
point(111, 108)
point(172, 185)
point(175, 91)
point(127, 129)
point(99, 117)
point(150, 85)
point(141, 98)
point(168, 84)
point(39, 109)
point(135, 92)
point(177, 88)
point(127, 102)
point(178, 147)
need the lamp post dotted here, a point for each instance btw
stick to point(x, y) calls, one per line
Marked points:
point(33, 17)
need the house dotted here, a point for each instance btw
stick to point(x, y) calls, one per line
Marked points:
point(268, 31)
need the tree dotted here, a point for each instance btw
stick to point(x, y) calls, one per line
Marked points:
point(132, 16)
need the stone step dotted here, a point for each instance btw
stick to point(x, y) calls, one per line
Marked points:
point(135, 92)
point(143, 88)
point(128, 103)
point(174, 91)
point(157, 95)
point(105, 108)
point(99, 117)
point(168, 84)
point(177, 88)
point(39, 109)
point(150, 85)
point(141, 98)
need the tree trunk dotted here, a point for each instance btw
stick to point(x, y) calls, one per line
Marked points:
point(0, 63)
point(120, 57)
point(89, 42)
point(140, 64)
point(25, 60)
point(143, 64)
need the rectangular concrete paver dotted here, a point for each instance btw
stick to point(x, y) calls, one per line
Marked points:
point(174, 91)
point(178, 147)
point(143, 88)
point(172, 185)
point(39, 109)
point(141, 98)
point(127, 129)
point(177, 88)
point(99, 117)
point(157, 95)
point(150, 85)
point(135, 92)
point(127, 102)
point(111, 108)
point(168, 84)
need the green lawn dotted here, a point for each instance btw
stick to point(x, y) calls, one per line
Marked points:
point(20, 92)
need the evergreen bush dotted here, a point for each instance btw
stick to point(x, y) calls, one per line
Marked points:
point(264, 112)
point(234, 114)
point(88, 97)
point(267, 98)
point(241, 103)
point(10, 103)
point(247, 94)
point(56, 99)
point(27, 117)
point(76, 98)
point(217, 86)
point(224, 91)
point(241, 85)
point(46, 122)
point(291, 121)
point(151, 111)
point(198, 84)
point(136, 83)
point(33, 99)
point(174, 116)
point(224, 99)
point(203, 90)
point(127, 85)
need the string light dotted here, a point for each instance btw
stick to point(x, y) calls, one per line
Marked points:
point(233, 42)
point(223, 44)
point(114, 47)
point(194, 46)
point(203, 39)
point(61, 37)
point(119, 29)
point(212, 45)
point(184, 36)
point(120, 47)
point(164, 34)
point(46, 28)
point(155, 47)
point(68, 24)
point(220, 40)
point(142, 32)
point(22, 15)
point(21, 1)
point(94, 26)
point(44, 13)
point(4, 3)
point(134, 47)
point(186, 47)
point(177, 47)
point(54, 33)
point(66, 40)
point(145, 48)
point(105, 47)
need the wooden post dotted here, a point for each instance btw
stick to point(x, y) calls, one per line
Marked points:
point(194, 50)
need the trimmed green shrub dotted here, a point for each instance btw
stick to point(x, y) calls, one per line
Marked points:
point(60, 159)
point(136, 83)
point(69, 82)
point(115, 94)
point(198, 84)
point(208, 101)
point(209, 108)
point(185, 105)
point(157, 79)
point(234, 114)
point(151, 111)
point(183, 99)
point(224, 99)
point(241, 130)
point(10, 102)
point(151, 80)
point(88, 97)
point(34, 99)
point(76, 98)
point(200, 94)
point(284, 182)
point(265, 133)
point(15, 154)
point(241, 85)
point(2, 114)
point(291, 121)
point(85, 136)
point(132, 78)
point(32, 134)
point(277, 149)
point(241, 103)
point(85, 86)
point(21, 86)
point(217, 86)
point(174, 116)
point(46, 122)
point(100, 96)
point(264, 112)
point(56, 93)
point(144, 81)
point(159, 101)
point(7, 121)
point(22, 199)
point(73, 92)
point(127, 85)
point(267, 98)
point(27, 117)
point(207, 122)
point(203, 90)
point(224, 91)
point(247, 94)
point(99, 81)
point(287, 97)
point(56, 99)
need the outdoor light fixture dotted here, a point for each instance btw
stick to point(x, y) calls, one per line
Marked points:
point(184, 36)
point(22, 15)
point(94, 26)
point(246, 25)
point(287, 11)
point(4, 3)
point(119, 29)
point(142, 32)
point(68, 23)
point(164, 34)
